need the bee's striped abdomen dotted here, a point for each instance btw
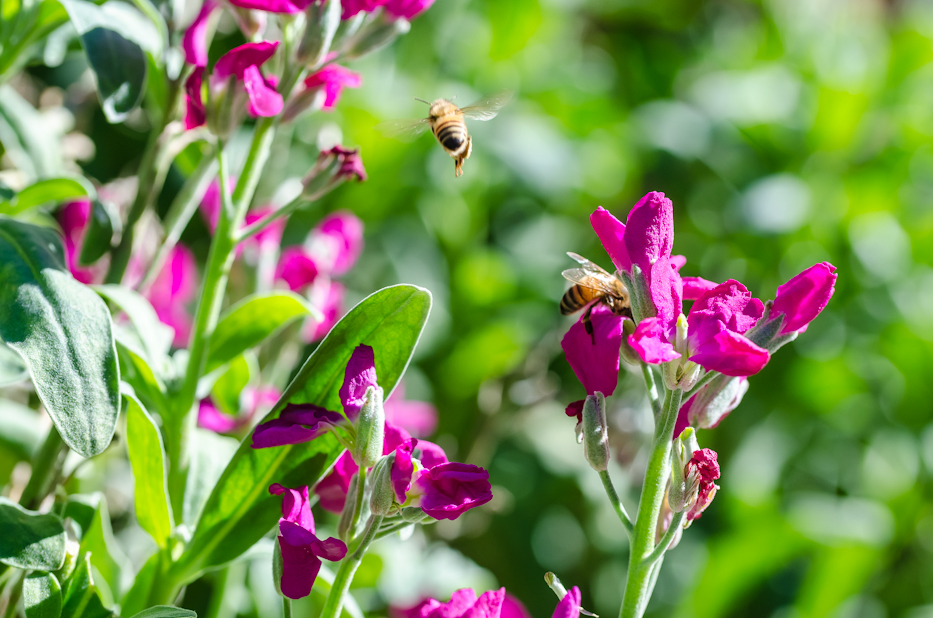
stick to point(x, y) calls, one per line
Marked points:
point(576, 298)
point(450, 131)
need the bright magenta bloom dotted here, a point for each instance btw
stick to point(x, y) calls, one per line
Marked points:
point(174, 287)
point(714, 341)
point(273, 6)
point(297, 423)
point(194, 41)
point(704, 467)
point(195, 112)
point(802, 298)
point(493, 604)
point(296, 268)
point(340, 234)
point(452, 488)
point(408, 9)
point(359, 375)
point(74, 217)
point(301, 549)
point(209, 417)
point(333, 78)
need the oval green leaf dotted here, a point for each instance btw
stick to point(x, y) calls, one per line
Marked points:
point(240, 509)
point(42, 596)
point(30, 540)
point(50, 190)
point(81, 598)
point(166, 611)
point(63, 332)
point(147, 457)
point(90, 520)
point(250, 321)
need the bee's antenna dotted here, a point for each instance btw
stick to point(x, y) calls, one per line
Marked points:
point(422, 100)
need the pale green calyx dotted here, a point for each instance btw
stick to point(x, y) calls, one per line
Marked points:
point(595, 432)
point(683, 490)
point(383, 495)
point(370, 429)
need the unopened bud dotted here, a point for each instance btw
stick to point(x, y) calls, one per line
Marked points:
point(383, 494)
point(716, 400)
point(370, 429)
point(349, 505)
point(322, 22)
point(374, 36)
point(555, 584)
point(766, 333)
point(332, 167)
point(681, 493)
point(640, 298)
point(414, 515)
point(595, 432)
point(277, 567)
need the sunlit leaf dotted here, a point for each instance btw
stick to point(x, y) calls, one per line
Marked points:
point(91, 521)
point(49, 191)
point(81, 599)
point(42, 596)
point(30, 540)
point(147, 456)
point(165, 611)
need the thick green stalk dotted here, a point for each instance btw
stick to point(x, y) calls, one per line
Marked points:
point(665, 542)
point(638, 583)
point(46, 466)
point(287, 607)
point(347, 569)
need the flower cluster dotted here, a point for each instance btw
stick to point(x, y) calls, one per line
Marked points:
point(409, 480)
point(708, 353)
point(465, 604)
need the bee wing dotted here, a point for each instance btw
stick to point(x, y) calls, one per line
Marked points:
point(601, 281)
point(487, 107)
point(404, 130)
point(592, 269)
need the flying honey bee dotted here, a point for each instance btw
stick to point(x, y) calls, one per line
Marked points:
point(593, 286)
point(447, 122)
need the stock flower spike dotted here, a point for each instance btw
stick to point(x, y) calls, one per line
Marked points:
point(802, 298)
point(301, 550)
point(333, 78)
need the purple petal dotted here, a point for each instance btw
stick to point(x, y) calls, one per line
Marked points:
point(296, 424)
point(488, 605)
point(452, 488)
point(430, 455)
point(595, 358)
point(295, 535)
point(569, 606)
point(402, 469)
point(332, 489)
point(212, 419)
point(329, 549)
point(802, 298)
point(296, 268)
point(695, 287)
point(272, 6)
point(359, 376)
point(296, 508)
point(237, 60)
point(407, 9)
point(729, 302)
point(649, 230)
point(299, 569)
point(195, 112)
point(731, 354)
point(263, 100)
point(575, 409)
point(651, 342)
point(194, 41)
point(611, 233)
point(513, 608)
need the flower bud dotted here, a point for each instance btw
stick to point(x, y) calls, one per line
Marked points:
point(332, 167)
point(374, 36)
point(715, 401)
point(383, 493)
point(767, 332)
point(346, 515)
point(414, 515)
point(700, 472)
point(370, 429)
point(322, 23)
point(681, 493)
point(639, 296)
point(595, 433)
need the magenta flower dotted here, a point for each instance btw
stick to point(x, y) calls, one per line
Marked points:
point(704, 469)
point(297, 423)
point(332, 489)
point(802, 298)
point(174, 287)
point(333, 78)
point(417, 417)
point(73, 218)
point(351, 8)
point(194, 41)
point(714, 334)
point(212, 419)
point(327, 297)
point(695, 287)
point(270, 236)
point(452, 488)
point(338, 238)
point(195, 111)
point(296, 268)
point(359, 375)
point(407, 9)
point(402, 469)
point(463, 604)
point(273, 6)
point(594, 358)
point(243, 62)
point(301, 550)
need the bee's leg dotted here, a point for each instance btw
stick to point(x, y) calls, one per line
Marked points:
point(458, 167)
point(587, 324)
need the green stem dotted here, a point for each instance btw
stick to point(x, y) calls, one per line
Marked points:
point(287, 607)
point(358, 506)
point(649, 508)
point(652, 387)
point(46, 466)
point(666, 540)
point(347, 569)
point(392, 529)
point(180, 212)
point(254, 228)
point(616, 502)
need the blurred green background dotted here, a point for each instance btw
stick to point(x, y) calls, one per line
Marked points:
point(786, 132)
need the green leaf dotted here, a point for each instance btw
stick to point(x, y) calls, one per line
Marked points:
point(91, 520)
point(118, 63)
point(98, 239)
point(31, 142)
point(137, 597)
point(81, 598)
point(63, 332)
point(50, 190)
point(252, 320)
point(30, 540)
point(20, 430)
point(240, 509)
point(226, 390)
point(147, 456)
point(155, 337)
point(42, 596)
point(12, 367)
point(136, 372)
point(210, 454)
point(166, 611)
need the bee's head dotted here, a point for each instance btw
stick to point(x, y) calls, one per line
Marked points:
point(441, 107)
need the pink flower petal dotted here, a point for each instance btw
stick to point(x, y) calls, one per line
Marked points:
point(332, 489)
point(802, 298)
point(342, 230)
point(595, 358)
point(695, 287)
point(333, 78)
point(402, 469)
point(194, 41)
point(452, 488)
point(212, 419)
point(649, 230)
point(407, 9)
point(611, 233)
point(651, 342)
point(569, 606)
point(273, 6)
point(729, 302)
point(358, 377)
point(296, 268)
point(237, 60)
point(263, 100)
point(731, 354)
